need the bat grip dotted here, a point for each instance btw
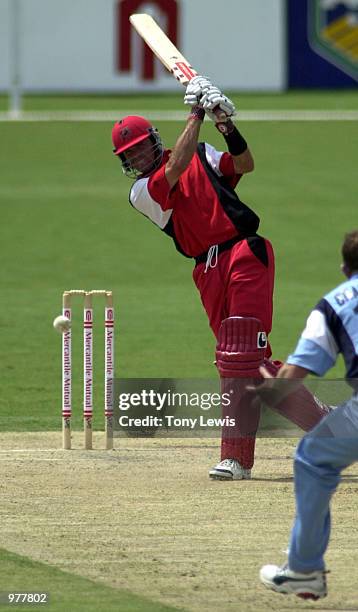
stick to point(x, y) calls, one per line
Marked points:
point(220, 115)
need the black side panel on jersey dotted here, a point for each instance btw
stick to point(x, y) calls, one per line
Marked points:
point(243, 218)
point(258, 247)
point(169, 230)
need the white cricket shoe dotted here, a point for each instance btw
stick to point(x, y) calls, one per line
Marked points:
point(284, 580)
point(229, 469)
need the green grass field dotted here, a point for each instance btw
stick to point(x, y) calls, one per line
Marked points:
point(309, 100)
point(65, 591)
point(66, 223)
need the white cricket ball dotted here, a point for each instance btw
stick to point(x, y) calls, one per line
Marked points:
point(62, 324)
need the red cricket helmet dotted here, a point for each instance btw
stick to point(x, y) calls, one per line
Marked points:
point(129, 131)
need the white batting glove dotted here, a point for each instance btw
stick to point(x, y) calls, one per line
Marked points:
point(196, 89)
point(214, 98)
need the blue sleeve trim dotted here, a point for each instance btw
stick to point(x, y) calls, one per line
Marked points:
point(341, 335)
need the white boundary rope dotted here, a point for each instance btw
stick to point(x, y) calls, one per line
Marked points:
point(170, 115)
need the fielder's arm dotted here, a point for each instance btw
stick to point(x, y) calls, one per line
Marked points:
point(272, 391)
point(287, 371)
point(185, 147)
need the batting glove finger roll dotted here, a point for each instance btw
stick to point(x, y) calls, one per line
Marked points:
point(215, 99)
point(196, 89)
point(191, 99)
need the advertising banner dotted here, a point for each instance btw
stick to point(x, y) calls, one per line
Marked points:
point(90, 46)
point(323, 43)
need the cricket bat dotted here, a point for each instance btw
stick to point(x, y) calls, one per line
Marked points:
point(166, 51)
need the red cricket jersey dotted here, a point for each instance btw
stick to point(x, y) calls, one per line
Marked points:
point(202, 209)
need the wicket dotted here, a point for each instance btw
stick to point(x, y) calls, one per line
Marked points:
point(88, 367)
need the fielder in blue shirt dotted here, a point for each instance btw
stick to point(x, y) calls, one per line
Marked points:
point(332, 446)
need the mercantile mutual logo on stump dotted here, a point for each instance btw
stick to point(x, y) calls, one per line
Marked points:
point(333, 32)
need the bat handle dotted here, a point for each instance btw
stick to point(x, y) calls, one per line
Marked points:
point(220, 115)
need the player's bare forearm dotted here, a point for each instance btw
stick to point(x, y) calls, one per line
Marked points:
point(243, 163)
point(273, 390)
point(292, 371)
point(183, 151)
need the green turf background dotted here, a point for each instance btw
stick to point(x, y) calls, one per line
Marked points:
point(66, 223)
point(65, 591)
point(309, 100)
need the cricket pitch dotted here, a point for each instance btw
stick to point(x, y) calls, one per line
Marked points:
point(145, 517)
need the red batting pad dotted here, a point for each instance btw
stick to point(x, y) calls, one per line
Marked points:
point(241, 347)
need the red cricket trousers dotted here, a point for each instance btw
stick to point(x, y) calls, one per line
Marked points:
point(240, 284)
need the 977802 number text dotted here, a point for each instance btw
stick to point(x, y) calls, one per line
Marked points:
point(23, 598)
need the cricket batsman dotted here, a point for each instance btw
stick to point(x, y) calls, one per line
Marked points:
point(189, 193)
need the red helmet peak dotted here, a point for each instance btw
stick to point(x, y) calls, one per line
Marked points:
point(129, 131)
